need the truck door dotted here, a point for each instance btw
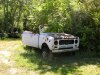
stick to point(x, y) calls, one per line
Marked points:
point(34, 40)
point(26, 38)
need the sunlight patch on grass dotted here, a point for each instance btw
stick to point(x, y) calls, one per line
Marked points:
point(90, 70)
point(8, 44)
point(51, 73)
point(3, 69)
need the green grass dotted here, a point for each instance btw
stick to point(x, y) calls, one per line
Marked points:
point(29, 59)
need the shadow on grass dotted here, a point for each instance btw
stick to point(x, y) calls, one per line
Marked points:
point(62, 63)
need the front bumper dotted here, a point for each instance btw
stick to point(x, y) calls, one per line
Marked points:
point(64, 50)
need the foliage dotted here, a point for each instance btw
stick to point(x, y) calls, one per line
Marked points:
point(78, 17)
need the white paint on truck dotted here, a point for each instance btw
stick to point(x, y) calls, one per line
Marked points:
point(56, 42)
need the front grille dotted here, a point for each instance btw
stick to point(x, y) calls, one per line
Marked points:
point(66, 42)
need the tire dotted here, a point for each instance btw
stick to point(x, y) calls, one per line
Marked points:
point(47, 54)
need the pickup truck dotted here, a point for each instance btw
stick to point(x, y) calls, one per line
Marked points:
point(50, 43)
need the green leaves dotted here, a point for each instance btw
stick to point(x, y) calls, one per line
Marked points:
point(78, 17)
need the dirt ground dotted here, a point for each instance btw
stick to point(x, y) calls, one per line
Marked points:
point(8, 66)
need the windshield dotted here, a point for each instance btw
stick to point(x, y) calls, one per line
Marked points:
point(48, 29)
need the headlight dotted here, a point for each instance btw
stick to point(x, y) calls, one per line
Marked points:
point(56, 42)
point(76, 41)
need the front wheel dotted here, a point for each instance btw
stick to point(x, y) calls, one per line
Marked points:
point(47, 54)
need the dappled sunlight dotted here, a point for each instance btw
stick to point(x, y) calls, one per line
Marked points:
point(5, 53)
point(61, 65)
point(27, 60)
point(90, 69)
point(8, 44)
point(58, 25)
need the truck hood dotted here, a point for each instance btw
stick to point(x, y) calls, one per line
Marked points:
point(60, 35)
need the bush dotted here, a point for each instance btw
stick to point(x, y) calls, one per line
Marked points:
point(14, 35)
point(3, 35)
